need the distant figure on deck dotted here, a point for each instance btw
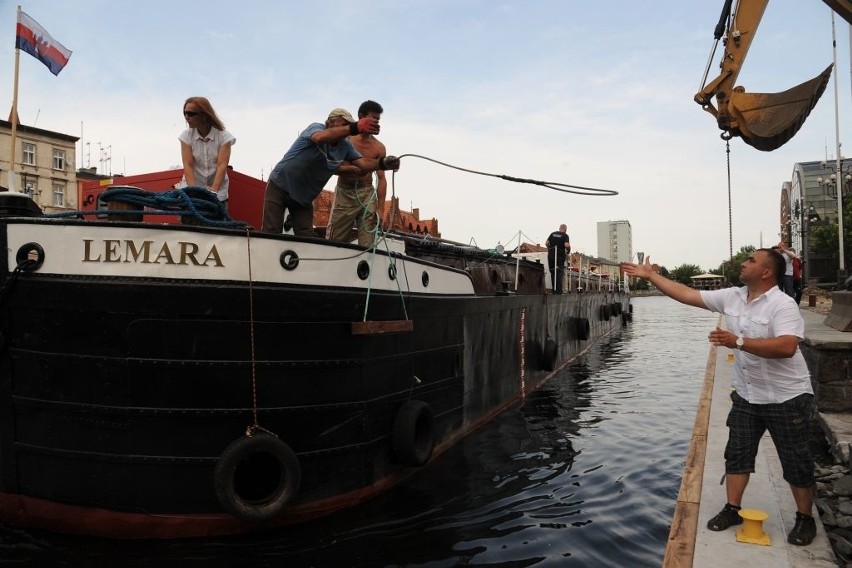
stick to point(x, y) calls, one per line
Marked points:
point(314, 157)
point(558, 246)
point(205, 148)
point(771, 383)
point(357, 203)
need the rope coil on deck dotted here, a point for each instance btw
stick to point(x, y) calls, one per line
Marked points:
point(192, 201)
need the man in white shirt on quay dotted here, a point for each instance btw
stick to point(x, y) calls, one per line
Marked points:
point(771, 382)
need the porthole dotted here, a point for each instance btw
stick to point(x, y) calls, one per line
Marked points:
point(289, 260)
point(32, 252)
point(363, 270)
point(425, 279)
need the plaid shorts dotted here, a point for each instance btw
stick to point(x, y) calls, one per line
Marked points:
point(789, 425)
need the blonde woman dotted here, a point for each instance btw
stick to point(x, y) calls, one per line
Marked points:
point(205, 148)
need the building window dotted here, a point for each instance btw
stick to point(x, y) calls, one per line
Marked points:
point(58, 195)
point(58, 159)
point(29, 156)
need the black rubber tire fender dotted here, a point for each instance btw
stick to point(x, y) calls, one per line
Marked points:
point(583, 328)
point(256, 477)
point(413, 433)
point(549, 354)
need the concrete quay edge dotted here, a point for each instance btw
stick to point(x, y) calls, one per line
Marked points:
point(690, 542)
point(767, 491)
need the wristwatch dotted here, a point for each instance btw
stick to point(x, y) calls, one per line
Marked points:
point(740, 342)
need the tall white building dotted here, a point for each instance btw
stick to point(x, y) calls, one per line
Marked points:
point(615, 240)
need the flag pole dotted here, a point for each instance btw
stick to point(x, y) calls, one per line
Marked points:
point(14, 116)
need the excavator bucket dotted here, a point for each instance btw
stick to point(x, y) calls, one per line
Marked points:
point(767, 121)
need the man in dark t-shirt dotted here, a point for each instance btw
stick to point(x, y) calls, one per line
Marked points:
point(558, 246)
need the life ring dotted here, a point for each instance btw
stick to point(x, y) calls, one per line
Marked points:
point(582, 328)
point(604, 312)
point(413, 433)
point(256, 477)
point(549, 354)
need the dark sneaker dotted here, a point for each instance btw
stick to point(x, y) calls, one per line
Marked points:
point(803, 531)
point(727, 517)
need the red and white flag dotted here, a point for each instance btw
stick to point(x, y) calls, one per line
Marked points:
point(35, 40)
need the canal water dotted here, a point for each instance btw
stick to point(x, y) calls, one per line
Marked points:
point(584, 472)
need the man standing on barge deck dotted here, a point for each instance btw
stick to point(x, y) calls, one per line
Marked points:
point(357, 203)
point(314, 157)
point(558, 246)
point(772, 386)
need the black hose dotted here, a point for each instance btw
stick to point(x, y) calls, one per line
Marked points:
point(723, 20)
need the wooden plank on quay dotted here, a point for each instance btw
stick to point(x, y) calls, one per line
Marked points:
point(680, 549)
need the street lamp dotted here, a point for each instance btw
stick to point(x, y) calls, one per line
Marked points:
point(840, 175)
point(830, 182)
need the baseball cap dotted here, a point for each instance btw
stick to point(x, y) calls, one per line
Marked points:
point(342, 113)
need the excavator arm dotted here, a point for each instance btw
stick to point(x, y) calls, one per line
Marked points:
point(765, 121)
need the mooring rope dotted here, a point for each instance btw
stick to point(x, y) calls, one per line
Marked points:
point(556, 186)
point(22, 266)
point(256, 422)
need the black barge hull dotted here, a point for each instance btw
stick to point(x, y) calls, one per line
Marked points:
point(140, 362)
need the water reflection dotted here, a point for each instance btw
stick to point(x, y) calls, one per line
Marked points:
point(585, 472)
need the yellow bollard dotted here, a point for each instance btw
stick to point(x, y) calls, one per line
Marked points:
point(730, 357)
point(752, 529)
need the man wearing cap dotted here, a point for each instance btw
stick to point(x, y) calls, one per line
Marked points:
point(310, 162)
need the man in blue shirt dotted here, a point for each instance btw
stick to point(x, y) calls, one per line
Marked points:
point(310, 162)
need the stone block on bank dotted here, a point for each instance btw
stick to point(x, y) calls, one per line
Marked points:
point(840, 316)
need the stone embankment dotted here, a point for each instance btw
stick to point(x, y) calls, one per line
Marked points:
point(834, 481)
point(834, 503)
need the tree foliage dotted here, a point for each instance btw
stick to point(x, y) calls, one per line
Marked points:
point(685, 272)
point(822, 237)
point(823, 240)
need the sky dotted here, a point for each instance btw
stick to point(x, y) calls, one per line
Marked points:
point(596, 94)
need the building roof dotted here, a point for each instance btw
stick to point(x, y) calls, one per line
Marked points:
point(33, 130)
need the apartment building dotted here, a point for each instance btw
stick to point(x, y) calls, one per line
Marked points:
point(615, 241)
point(45, 165)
